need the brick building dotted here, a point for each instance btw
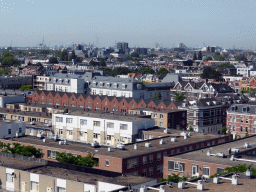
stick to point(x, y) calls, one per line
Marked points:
point(144, 158)
point(241, 118)
point(96, 102)
point(212, 159)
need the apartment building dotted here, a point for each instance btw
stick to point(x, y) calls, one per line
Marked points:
point(241, 119)
point(144, 158)
point(10, 129)
point(15, 82)
point(205, 115)
point(175, 119)
point(102, 127)
point(211, 160)
point(22, 174)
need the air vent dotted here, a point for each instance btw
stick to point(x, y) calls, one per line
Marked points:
point(109, 149)
point(246, 145)
point(174, 139)
point(162, 142)
point(235, 150)
point(148, 145)
point(136, 147)
point(121, 146)
point(167, 130)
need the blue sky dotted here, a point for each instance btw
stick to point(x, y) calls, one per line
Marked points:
point(141, 23)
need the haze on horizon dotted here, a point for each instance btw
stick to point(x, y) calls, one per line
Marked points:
point(141, 23)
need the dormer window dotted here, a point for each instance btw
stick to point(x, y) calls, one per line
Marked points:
point(108, 85)
point(139, 86)
point(101, 84)
point(94, 84)
point(123, 86)
point(244, 109)
point(115, 85)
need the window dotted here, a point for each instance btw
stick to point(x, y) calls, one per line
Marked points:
point(194, 114)
point(201, 114)
point(145, 160)
point(242, 119)
point(194, 122)
point(155, 115)
point(254, 130)
point(9, 178)
point(160, 169)
point(151, 171)
point(108, 137)
point(110, 125)
point(151, 158)
point(176, 165)
point(159, 156)
point(161, 124)
point(246, 120)
point(107, 162)
point(34, 186)
point(131, 163)
point(206, 171)
point(96, 123)
point(95, 135)
point(20, 130)
point(70, 132)
point(61, 189)
point(155, 123)
point(145, 172)
point(83, 122)
point(9, 131)
point(241, 129)
point(69, 120)
point(59, 119)
point(123, 126)
point(220, 170)
point(51, 154)
point(150, 136)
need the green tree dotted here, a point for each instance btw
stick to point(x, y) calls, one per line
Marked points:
point(134, 54)
point(146, 70)
point(102, 63)
point(157, 95)
point(27, 87)
point(195, 57)
point(68, 158)
point(211, 73)
point(53, 60)
point(162, 71)
point(5, 71)
point(199, 57)
point(64, 56)
point(233, 74)
point(224, 130)
point(72, 56)
point(225, 65)
point(218, 57)
point(180, 97)
point(209, 58)
point(241, 57)
point(246, 134)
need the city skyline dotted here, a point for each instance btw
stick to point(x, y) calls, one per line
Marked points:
point(140, 23)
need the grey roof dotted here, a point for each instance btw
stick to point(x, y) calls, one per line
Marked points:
point(222, 88)
point(243, 108)
point(173, 77)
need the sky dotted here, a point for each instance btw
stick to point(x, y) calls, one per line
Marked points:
point(141, 23)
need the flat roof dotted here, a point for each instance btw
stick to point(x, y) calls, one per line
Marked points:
point(85, 177)
point(108, 115)
point(245, 185)
point(129, 148)
point(201, 155)
point(25, 113)
point(159, 111)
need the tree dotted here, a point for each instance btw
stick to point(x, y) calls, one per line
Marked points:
point(211, 73)
point(27, 87)
point(102, 63)
point(53, 60)
point(208, 58)
point(8, 59)
point(241, 57)
point(162, 71)
point(134, 54)
point(224, 130)
point(18, 149)
point(157, 95)
point(64, 56)
point(68, 158)
point(72, 56)
point(146, 70)
point(218, 57)
point(195, 57)
point(180, 97)
point(225, 65)
point(199, 57)
point(5, 71)
point(246, 134)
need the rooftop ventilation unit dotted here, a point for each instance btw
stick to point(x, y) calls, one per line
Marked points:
point(167, 130)
point(183, 133)
point(148, 145)
point(235, 150)
point(174, 139)
point(61, 142)
point(109, 149)
point(162, 142)
point(135, 146)
point(246, 145)
point(95, 144)
point(121, 146)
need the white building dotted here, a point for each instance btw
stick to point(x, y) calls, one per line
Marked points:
point(11, 129)
point(105, 128)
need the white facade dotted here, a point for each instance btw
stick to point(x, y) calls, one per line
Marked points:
point(76, 127)
point(245, 71)
point(11, 129)
point(232, 78)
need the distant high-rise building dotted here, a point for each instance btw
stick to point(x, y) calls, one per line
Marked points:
point(123, 47)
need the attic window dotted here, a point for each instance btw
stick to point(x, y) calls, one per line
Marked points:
point(244, 109)
point(115, 85)
point(123, 86)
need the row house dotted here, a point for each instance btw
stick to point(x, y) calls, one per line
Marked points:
point(241, 119)
point(200, 90)
point(96, 102)
point(205, 115)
